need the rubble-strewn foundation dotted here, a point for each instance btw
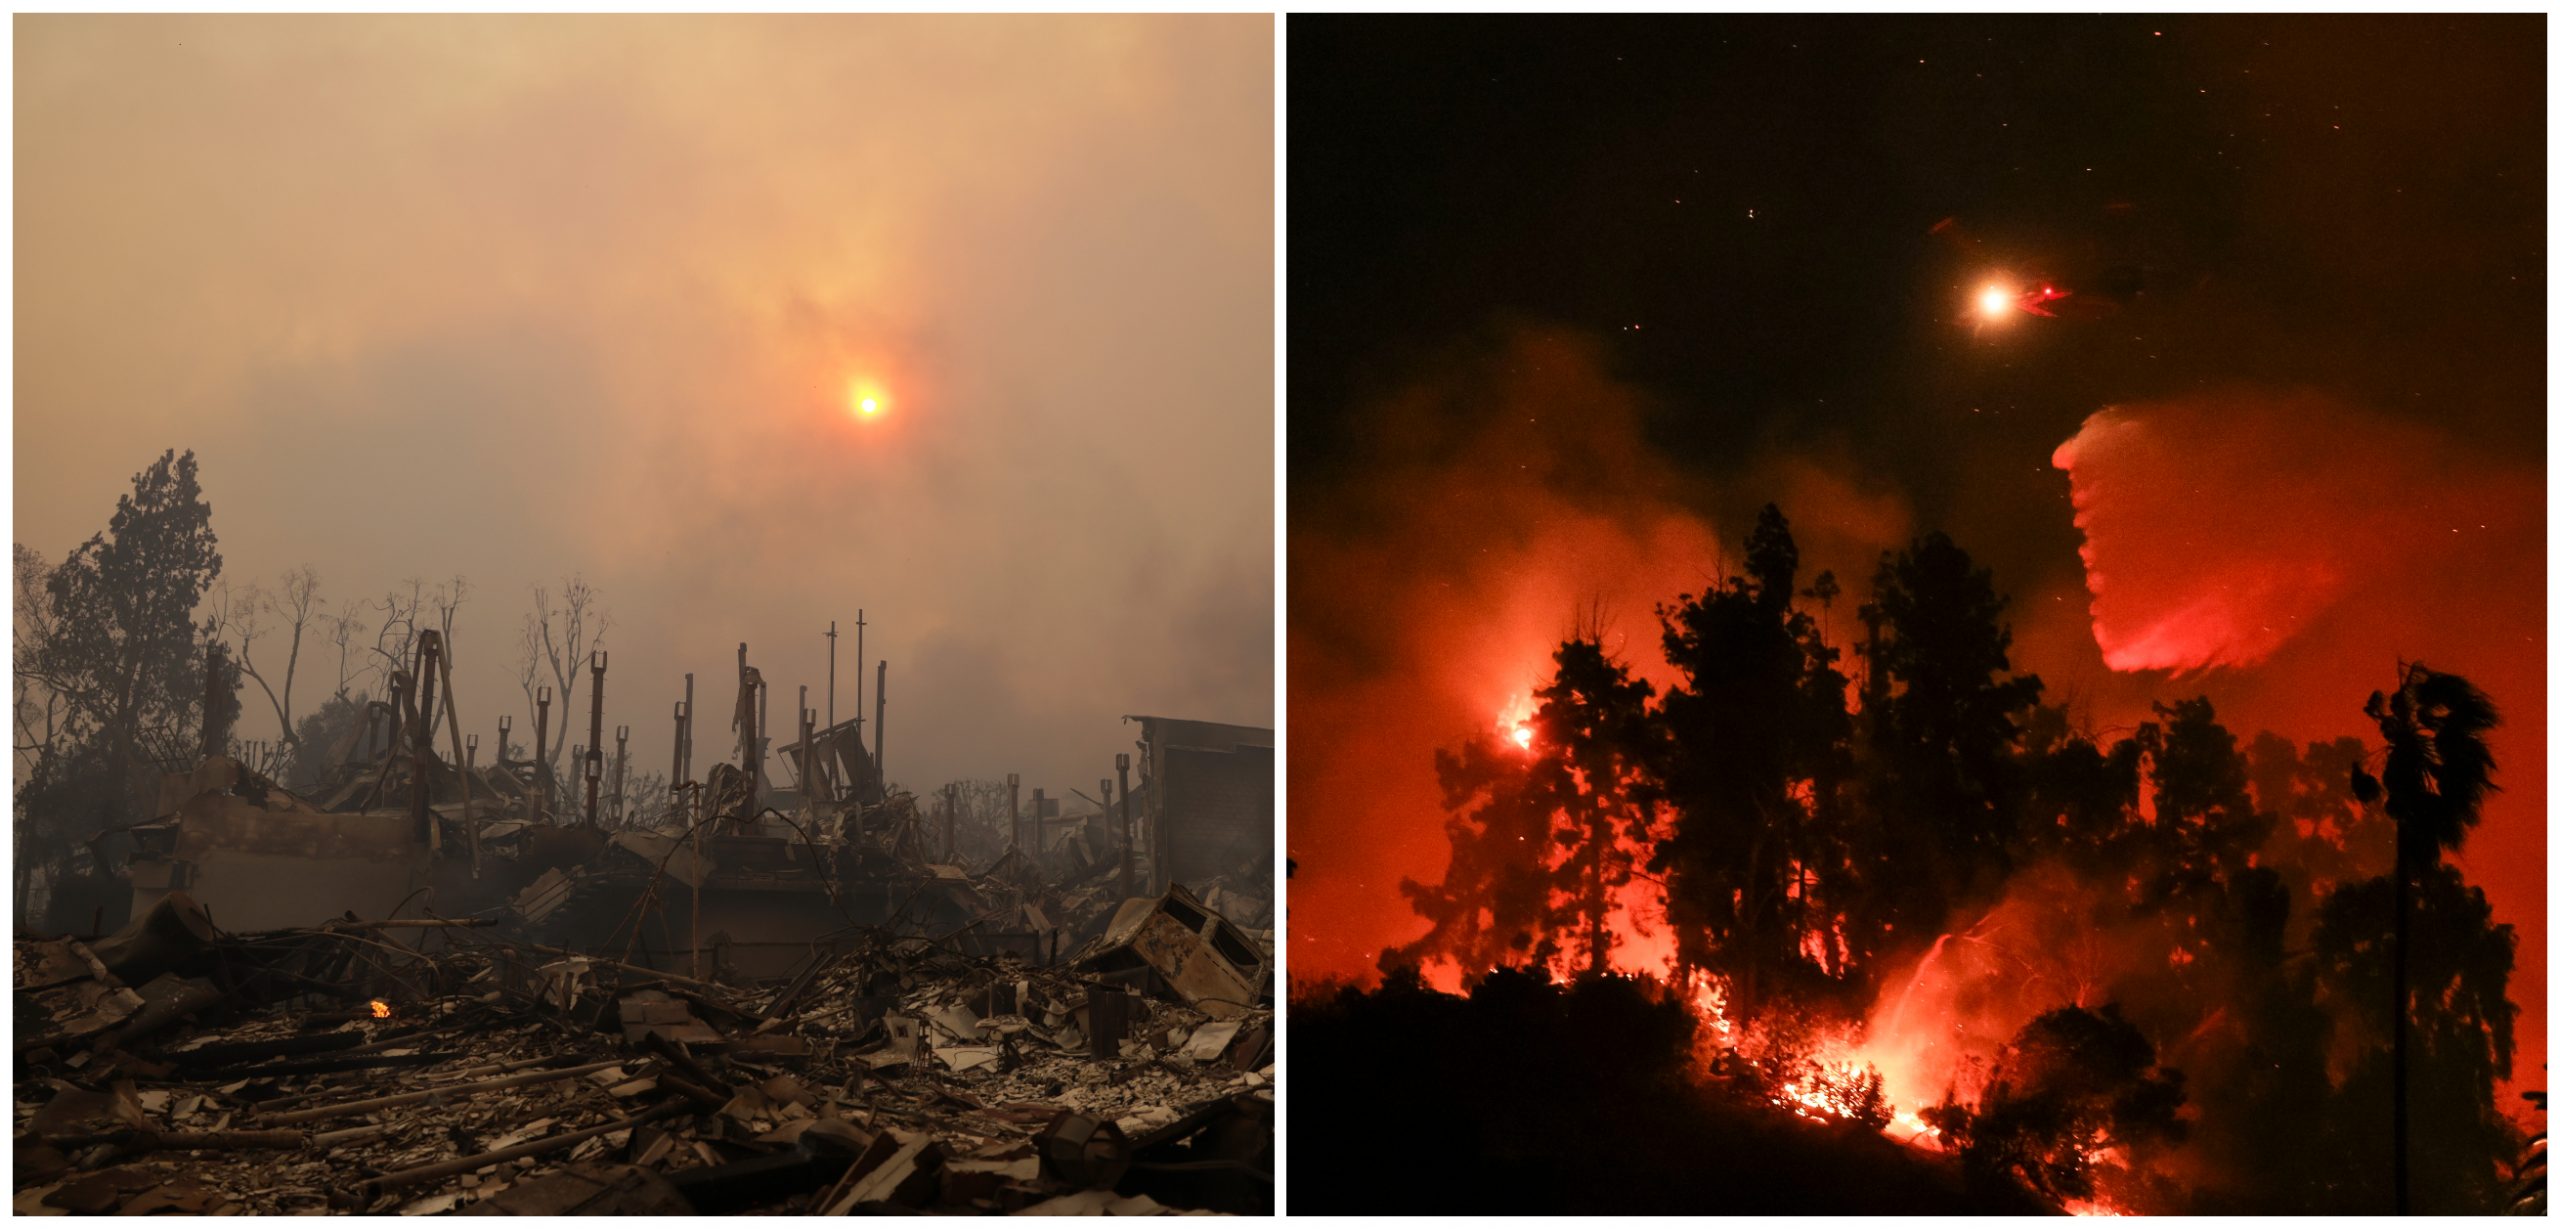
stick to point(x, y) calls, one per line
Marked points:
point(422, 1065)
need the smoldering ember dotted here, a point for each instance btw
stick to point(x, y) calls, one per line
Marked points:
point(439, 975)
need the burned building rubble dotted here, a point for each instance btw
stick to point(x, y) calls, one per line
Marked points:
point(484, 991)
point(176, 1067)
point(1204, 790)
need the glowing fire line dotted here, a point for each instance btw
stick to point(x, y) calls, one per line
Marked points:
point(1838, 1075)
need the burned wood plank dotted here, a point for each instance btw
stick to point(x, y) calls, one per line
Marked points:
point(374, 1188)
point(232, 1053)
point(331, 1066)
point(342, 1109)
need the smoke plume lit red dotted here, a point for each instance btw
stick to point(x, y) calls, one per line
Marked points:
point(1504, 497)
point(2279, 552)
point(2215, 530)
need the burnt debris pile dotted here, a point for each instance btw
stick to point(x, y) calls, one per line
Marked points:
point(751, 997)
point(431, 979)
point(427, 1064)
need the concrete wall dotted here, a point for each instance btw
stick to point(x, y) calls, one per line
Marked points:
point(265, 891)
point(259, 869)
point(1206, 791)
point(1217, 810)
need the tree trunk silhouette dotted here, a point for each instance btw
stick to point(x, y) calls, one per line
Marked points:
point(2400, 1011)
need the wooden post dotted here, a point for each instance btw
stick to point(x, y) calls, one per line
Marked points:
point(748, 725)
point(399, 705)
point(621, 756)
point(542, 753)
point(462, 755)
point(505, 725)
point(422, 737)
point(1128, 841)
point(471, 822)
point(675, 770)
point(595, 733)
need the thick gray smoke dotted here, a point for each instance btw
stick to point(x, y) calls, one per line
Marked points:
point(518, 297)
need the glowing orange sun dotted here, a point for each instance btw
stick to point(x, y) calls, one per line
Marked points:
point(862, 399)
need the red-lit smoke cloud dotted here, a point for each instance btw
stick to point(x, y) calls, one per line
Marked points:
point(2280, 553)
point(1500, 498)
point(2217, 529)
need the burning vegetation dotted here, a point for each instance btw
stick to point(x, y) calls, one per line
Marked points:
point(1826, 905)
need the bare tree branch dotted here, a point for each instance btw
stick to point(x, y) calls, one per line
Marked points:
point(556, 640)
point(343, 628)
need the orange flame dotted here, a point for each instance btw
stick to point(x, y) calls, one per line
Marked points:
point(1846, 1071)
point(1818, 1085)
point(381, 1010)
point(1884, 1071)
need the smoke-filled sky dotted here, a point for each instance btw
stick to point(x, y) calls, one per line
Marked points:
point(519, 297)
point(1571, 299)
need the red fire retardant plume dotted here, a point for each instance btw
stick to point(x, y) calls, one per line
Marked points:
point(2281, 552)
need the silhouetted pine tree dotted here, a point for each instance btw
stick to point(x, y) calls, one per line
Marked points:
point(1942, 711)
point(1757, 746)
point(1594, 735)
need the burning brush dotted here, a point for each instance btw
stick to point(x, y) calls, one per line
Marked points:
point(1797, 1063)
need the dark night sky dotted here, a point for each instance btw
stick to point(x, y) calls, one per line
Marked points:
point(2354, 202)
point(2348, 209)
